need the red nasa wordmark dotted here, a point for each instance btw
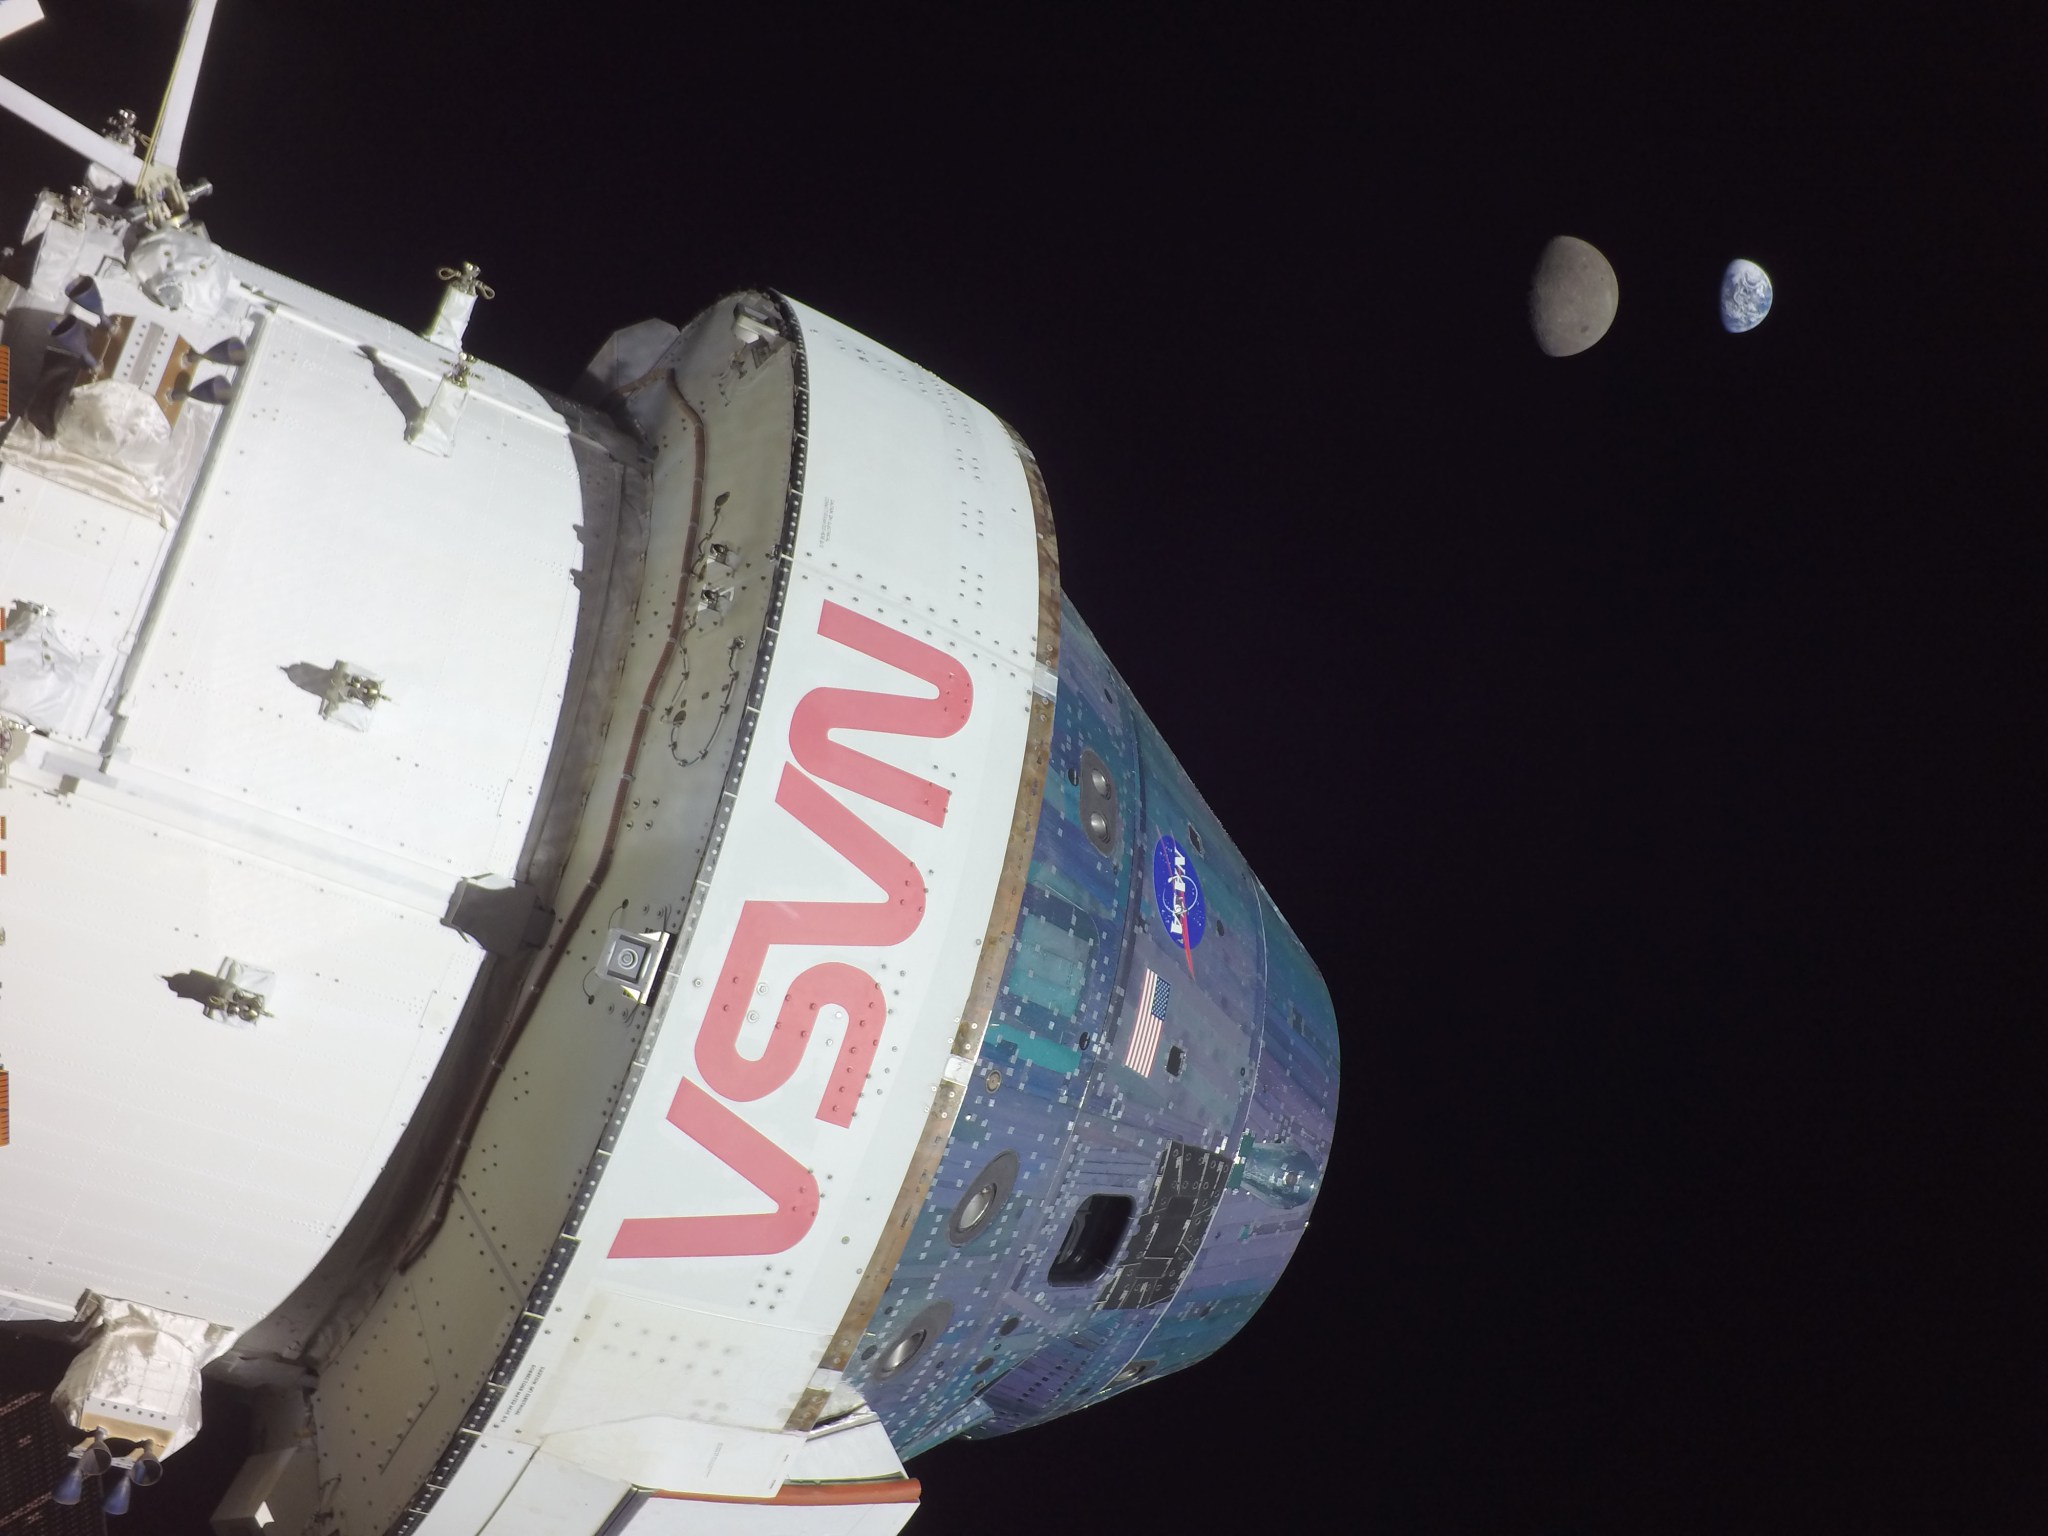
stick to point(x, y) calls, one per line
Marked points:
point(824, 710)
point(703, 1115)
point(751, 1155)
point(765, 924)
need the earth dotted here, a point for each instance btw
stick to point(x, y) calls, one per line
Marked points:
point(1745, 295)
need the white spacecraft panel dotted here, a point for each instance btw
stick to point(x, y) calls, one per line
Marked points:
point(701, 1517)
point(894, 438)
point(916, 520)
point(552, 1498)
point(322, 537)
point(531, 1151)
point(189, 1163)
point(494, 1465)
point(203, 1164)
point(90, 563)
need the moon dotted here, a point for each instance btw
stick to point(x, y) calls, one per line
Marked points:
point(1745, 295)
point(1572, 297)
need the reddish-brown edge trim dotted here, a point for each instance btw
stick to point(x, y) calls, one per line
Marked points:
point(894, 1490)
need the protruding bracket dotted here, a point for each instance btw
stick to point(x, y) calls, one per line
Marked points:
point(348, 696)
point(502, 919)
point(458, 299)
point(754, 326)
point(433, 429)
point(636, 961)
point(237, 1004)
point(237, 992)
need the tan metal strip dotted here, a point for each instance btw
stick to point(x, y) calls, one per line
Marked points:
point(988, 976)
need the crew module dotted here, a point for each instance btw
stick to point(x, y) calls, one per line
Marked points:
point(617, 963)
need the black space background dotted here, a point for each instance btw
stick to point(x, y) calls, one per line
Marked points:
point(1648, 744)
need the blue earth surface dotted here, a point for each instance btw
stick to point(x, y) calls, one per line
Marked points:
point(1745, 295)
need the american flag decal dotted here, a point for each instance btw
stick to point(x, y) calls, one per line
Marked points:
point(1151, 1019)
